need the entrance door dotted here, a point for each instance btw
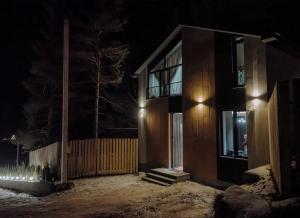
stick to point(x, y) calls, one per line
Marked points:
point(177, 141)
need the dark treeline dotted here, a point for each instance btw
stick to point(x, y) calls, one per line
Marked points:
point(148, 22)
point(97, 55)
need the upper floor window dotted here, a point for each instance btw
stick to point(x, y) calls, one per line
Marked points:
point(166, 77)
point(234, 134)
point(239, 61)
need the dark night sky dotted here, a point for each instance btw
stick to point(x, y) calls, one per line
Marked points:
point(150, 21)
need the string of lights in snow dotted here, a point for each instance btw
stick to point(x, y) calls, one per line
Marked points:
point(17, 178)
point(21, 173)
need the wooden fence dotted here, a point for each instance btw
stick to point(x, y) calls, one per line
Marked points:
point(46, 155)
point(284, 129)
point(106, 156)
point(274, 146)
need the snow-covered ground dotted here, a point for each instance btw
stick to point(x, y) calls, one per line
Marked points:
point(114, 196)
point(265, 186)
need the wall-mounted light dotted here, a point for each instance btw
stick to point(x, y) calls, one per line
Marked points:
point(254, 100)
point(255, 94)
point(200, 102)
point(142, 105)
point(255, 103)
point(142, 112)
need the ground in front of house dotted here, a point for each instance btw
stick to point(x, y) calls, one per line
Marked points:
point(114, 196)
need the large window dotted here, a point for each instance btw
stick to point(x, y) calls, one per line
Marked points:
point(234, 134)
point(239, 61)
point(165, 79)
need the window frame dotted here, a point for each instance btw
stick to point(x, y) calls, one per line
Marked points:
point(148, 87)
point(235, 136)
point(168, 84)
point(236, 39)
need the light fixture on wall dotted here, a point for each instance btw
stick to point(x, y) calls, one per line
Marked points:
point(200, 102)
point(142, 105)
point(255, 103)
point(255, 94)
point(142, 113)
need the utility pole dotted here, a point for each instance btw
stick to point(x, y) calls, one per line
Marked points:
point(18, 154)
point(65, 108)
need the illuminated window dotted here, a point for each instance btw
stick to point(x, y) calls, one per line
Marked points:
point(153, 85)
point(234, 134)
point(165, 79)
point(239, 61)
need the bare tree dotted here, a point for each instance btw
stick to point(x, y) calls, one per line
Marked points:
point(103, 57)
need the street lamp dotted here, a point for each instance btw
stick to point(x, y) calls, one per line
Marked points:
point(13, 140)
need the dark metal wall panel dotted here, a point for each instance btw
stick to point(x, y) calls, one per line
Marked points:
point(227, 98)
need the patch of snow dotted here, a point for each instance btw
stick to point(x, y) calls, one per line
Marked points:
point(265, 186)
point(116, 196)
point(237, 202)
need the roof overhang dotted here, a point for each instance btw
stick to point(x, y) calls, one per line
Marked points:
point(166, 42)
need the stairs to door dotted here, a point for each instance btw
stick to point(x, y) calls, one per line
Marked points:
point(166, 177)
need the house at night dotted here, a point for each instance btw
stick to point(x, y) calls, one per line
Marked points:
point(204, 97)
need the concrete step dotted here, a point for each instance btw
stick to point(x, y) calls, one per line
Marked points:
point(179, 176)
point(161, 178)
point(148, 179)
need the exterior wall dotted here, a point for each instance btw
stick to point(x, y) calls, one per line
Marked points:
point(153, 129)
point(284, 127)
point(228, 99)
point(274, 138)
point(280, 67)
point(157, 123)
point(256, 102)
point(199, 120)
point(141, 120)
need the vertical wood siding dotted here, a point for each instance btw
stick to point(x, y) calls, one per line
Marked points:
point(199, 120)
point(274, 138)
point(106, 156)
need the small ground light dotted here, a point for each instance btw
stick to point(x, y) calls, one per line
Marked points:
point(30, 178)
point(17, 178)
point(23, 178)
